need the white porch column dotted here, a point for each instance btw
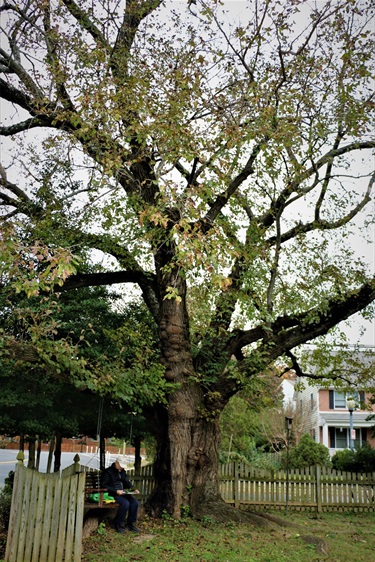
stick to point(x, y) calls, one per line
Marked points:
point(325, 434)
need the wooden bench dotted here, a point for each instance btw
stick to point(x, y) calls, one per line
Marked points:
point(92, 486)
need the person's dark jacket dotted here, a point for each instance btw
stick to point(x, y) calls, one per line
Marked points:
point(114, 480)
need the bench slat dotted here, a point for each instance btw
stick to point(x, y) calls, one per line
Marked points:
point(92, 486)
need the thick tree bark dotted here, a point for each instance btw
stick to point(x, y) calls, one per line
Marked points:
point(186, 467)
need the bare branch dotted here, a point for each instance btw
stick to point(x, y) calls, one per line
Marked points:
point(269, 217)
point(23, 126)
point(296, 366)
point(287, 332)
point(321, 224)
point(12, 186)
point(54, 62)
point(135, 12)
point(12, 94)
point(15, 66)
point(146, 282)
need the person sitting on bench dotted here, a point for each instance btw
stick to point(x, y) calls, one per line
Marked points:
point(118, 485)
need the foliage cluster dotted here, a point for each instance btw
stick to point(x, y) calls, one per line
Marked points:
point(116, 347)
point(5, 501)
point(362, 459)
point(307, 453)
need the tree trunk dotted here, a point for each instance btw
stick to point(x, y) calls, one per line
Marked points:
point(186, 474)
point(38, 453)
point(186, 466)
point(137, 454)
point(50, 453)
point(57, 463)
point(31, 461)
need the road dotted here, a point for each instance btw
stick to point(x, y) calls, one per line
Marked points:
point(8, 461)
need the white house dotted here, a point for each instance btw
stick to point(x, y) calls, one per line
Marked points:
point(329, 422)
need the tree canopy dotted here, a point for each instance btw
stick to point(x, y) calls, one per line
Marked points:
point(221, 164)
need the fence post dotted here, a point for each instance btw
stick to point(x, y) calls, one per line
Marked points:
point(318, 489)
point(20, 457)
point(76, 463)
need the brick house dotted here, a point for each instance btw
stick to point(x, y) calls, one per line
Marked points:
point(330, 418)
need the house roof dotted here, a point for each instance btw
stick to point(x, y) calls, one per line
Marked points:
point(342, 419)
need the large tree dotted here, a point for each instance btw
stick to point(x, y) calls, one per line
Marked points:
point(217, 166)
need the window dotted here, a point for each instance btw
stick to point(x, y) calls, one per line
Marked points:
point(337, 400)
point(339, 437)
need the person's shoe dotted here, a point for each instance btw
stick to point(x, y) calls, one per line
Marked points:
point(131, 527)
point(117, 527)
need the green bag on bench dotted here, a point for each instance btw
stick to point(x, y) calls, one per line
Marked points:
point(106, 498)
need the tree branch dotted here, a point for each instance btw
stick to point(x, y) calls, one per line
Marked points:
point(320, 224)
point(15, 67)
point(21, 127)
point(287, 332)
point(269, 217)
point(300, 373)
point(54, 63)
point(314, 323)
point(135, 12)
point(222, 199)
point(146, 282)
point(85, 22)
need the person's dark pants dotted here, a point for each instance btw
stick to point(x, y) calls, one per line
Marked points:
point(127, 505)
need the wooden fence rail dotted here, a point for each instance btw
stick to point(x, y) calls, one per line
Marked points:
point(313, 488)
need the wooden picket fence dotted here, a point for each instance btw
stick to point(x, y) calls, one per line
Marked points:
point(143, 481)
point(47, 510)
point(46, 516)
point(314, 488)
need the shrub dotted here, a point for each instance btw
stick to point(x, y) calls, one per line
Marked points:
point(362, 459)
point(5, 501)
point(307, 453)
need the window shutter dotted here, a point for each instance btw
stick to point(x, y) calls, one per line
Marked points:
point(362, 397)
point(331, 431)
point(331, 398)
point(364, 434)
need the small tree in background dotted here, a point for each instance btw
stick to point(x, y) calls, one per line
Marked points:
point(272, 425)
point(307, 453)
point(240, 421)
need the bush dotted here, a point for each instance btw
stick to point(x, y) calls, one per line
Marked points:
point(5, 501)
point(362, 459)
point(307, 453)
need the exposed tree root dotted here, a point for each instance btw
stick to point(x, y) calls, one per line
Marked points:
point(223, 513)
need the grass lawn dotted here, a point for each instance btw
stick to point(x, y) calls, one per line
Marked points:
point(349, 537)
